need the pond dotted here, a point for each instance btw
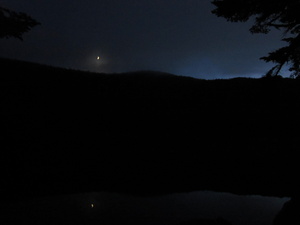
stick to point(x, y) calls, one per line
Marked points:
point(114, 209)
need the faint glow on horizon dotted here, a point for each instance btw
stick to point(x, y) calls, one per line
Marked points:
point(95, 62)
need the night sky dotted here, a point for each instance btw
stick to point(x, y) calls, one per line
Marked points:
point(181, 37)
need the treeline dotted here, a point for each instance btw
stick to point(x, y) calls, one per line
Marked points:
point(145, 132)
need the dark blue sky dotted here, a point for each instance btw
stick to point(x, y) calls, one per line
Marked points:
point(181, 37)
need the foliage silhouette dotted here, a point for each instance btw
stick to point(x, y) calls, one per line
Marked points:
point(281, 14)
point(14, 24)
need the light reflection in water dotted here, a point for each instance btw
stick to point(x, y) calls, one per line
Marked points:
point(170, 209)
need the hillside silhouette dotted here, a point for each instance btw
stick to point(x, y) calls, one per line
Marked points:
point(68, 131)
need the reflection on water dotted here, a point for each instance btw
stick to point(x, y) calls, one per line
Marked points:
point(111, 208)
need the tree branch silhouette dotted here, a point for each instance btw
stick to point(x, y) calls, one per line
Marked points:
point(15, 24)
point(282, 15)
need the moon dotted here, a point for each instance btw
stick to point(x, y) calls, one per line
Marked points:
point(98, 58)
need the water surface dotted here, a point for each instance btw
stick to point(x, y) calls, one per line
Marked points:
point(112, 208)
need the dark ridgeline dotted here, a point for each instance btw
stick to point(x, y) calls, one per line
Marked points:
point(68, 131)
point(146, 133)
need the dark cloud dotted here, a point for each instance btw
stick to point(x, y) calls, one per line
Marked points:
point(180, 37)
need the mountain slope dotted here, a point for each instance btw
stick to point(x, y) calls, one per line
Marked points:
point(69, 131)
